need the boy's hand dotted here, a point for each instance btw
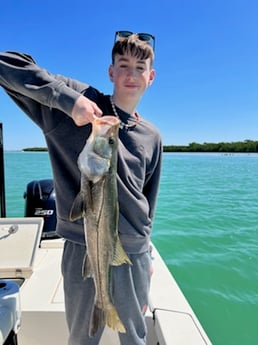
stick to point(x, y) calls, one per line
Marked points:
point(84, 111)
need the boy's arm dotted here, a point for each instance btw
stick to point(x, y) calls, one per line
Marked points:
point(20, 74)
point(152, 182)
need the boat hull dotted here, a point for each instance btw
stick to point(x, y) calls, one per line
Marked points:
point(170, 319)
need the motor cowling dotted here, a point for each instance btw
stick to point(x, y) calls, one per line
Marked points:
point(40, 202)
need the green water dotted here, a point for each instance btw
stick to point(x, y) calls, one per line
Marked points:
point(206, 229)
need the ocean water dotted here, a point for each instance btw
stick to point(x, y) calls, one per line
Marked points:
point(206, 229)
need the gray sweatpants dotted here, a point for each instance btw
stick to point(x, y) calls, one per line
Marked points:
point(130, 289)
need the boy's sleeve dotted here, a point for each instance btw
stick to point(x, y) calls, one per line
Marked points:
point(151, 186)
point(21, 75)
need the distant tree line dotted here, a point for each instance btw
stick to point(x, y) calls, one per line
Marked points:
point(238, 146)
point(35, 149)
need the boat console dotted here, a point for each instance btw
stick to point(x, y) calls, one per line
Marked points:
point(19, 240)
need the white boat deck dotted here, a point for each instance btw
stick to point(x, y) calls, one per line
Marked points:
point(170, 318)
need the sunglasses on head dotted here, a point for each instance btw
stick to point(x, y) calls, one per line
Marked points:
point(142, 36)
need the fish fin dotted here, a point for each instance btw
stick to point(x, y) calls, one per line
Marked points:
point(109, 317)
point(78, 207)
point(98, 320)
point(86, 267)
point(120, 256)
point(113, 321)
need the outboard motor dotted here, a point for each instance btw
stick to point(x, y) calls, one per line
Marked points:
point(40, 202)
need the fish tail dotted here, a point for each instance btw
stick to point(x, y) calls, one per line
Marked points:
point(98, 320)
point(109, 317)
point(113, 321)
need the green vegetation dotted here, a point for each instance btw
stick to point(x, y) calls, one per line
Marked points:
point(35, 149)
point(239, 146)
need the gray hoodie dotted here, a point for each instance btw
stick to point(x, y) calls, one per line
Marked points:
point(48, 100)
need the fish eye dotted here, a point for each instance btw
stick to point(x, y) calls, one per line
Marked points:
point(111, 141)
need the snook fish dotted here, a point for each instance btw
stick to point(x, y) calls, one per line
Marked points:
point(97, 204)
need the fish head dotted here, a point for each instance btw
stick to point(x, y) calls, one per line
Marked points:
point(105, 136)
point(100, 151)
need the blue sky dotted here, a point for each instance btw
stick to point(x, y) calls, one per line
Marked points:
point(206, 88)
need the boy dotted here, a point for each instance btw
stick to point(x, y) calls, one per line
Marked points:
point(64, 108)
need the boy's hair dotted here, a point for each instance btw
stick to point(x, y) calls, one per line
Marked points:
point(134, 46)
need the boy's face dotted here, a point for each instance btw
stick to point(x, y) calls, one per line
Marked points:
point(131, 76)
